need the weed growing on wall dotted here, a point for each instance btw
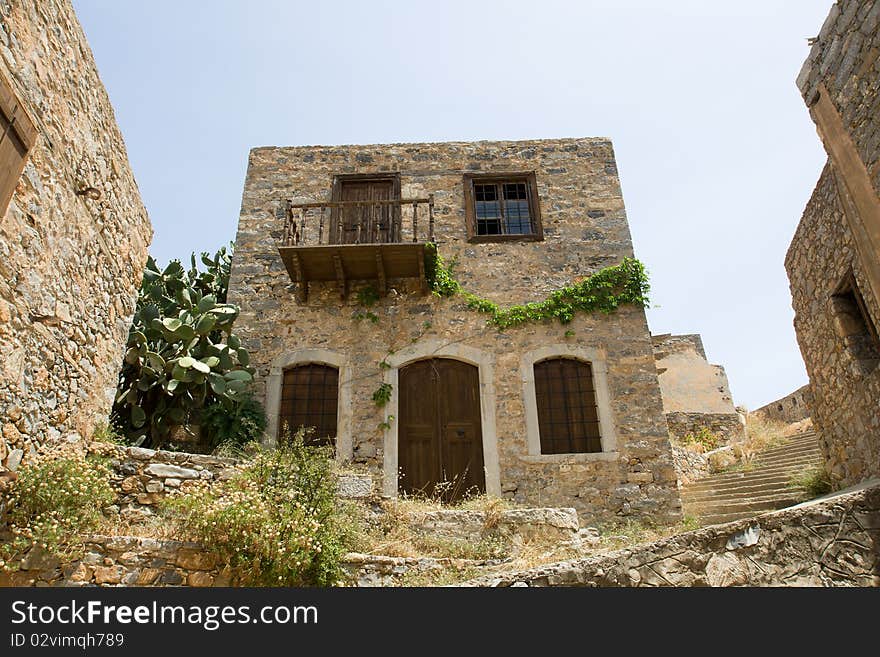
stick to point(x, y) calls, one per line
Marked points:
point(702, 440)
point(276, 524)
point(605, 291)
point(58, 495)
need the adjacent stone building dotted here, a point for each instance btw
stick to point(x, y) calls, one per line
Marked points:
point(418, 389)
point(833, 262)
point(794, 407)
point(695, 393)
point(73, 232)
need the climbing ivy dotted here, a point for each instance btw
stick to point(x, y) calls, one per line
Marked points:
point(605, 291)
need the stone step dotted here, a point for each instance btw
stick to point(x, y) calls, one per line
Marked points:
point(785, 460)
point(761, 503)
point(790, 448)
point(736, 492)
point(751, 476)
point(787, 456)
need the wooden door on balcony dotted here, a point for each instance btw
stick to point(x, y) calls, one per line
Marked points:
point(440, 436)
point(367, 223)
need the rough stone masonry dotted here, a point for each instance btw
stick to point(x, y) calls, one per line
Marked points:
point(70, 264)
point(584, 229)
point(833, 262)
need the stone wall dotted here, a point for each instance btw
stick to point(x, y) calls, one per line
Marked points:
point(845, 410)
point(690, 465)
point(124, 561)
point(791, 408)
point(726, 426)
point(585, 229)
point(695, 393)
point(844, 60)
point(839, 236)
point(69, 265)
point(142, 477)
point(828, 542)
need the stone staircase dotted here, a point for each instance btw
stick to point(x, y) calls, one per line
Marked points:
point(761, 487)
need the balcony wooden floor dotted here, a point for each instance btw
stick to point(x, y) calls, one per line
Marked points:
point(354, 262)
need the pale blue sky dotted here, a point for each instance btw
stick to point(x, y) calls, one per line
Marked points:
point(716, 152)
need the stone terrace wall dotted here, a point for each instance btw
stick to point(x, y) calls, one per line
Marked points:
point(690, 465)
point(69, 266)
point(585, 228)
point(828, 542)
point(142, 477)
point(728, 427)
point(124, 561)
point(791, 408)
point(845, 410)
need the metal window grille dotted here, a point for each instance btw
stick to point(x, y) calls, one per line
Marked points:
point(568, 418)
point(309, 398)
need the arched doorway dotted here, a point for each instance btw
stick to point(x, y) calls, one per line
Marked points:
point(440, 449)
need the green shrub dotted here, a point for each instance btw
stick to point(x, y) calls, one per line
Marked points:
point(276, 524)
point(58, 495)
point(233, 428)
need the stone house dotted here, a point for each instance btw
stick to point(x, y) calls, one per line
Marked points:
point(695, 393)
point(73, 232)
point(331, 271)
point(833, 262)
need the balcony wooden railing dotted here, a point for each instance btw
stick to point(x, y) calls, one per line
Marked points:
point(341, 223)
point(344, 241)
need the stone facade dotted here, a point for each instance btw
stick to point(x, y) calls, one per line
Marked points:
point(828, 542)
point(833, 262)
point(791, 408)
point(70, 265)
point(585, 229)
point(695, 394)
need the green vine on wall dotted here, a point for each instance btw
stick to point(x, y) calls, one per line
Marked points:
point(382, 394)
point(605, 291)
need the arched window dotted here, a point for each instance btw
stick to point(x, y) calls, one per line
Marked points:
point(568, 418)
point(309, 398)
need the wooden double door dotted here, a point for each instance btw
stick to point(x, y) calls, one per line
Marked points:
point(440, 439)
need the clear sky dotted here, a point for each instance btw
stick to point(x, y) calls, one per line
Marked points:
point(716, 151)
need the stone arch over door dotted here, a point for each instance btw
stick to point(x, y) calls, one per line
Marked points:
point(344, 446)
point(484, 362)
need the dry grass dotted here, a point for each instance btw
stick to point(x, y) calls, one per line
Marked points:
point(154, 526)
point(635, 532)
point(387, 530)
point(763, 433)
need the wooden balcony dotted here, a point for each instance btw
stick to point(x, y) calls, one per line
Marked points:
point(344, 241)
